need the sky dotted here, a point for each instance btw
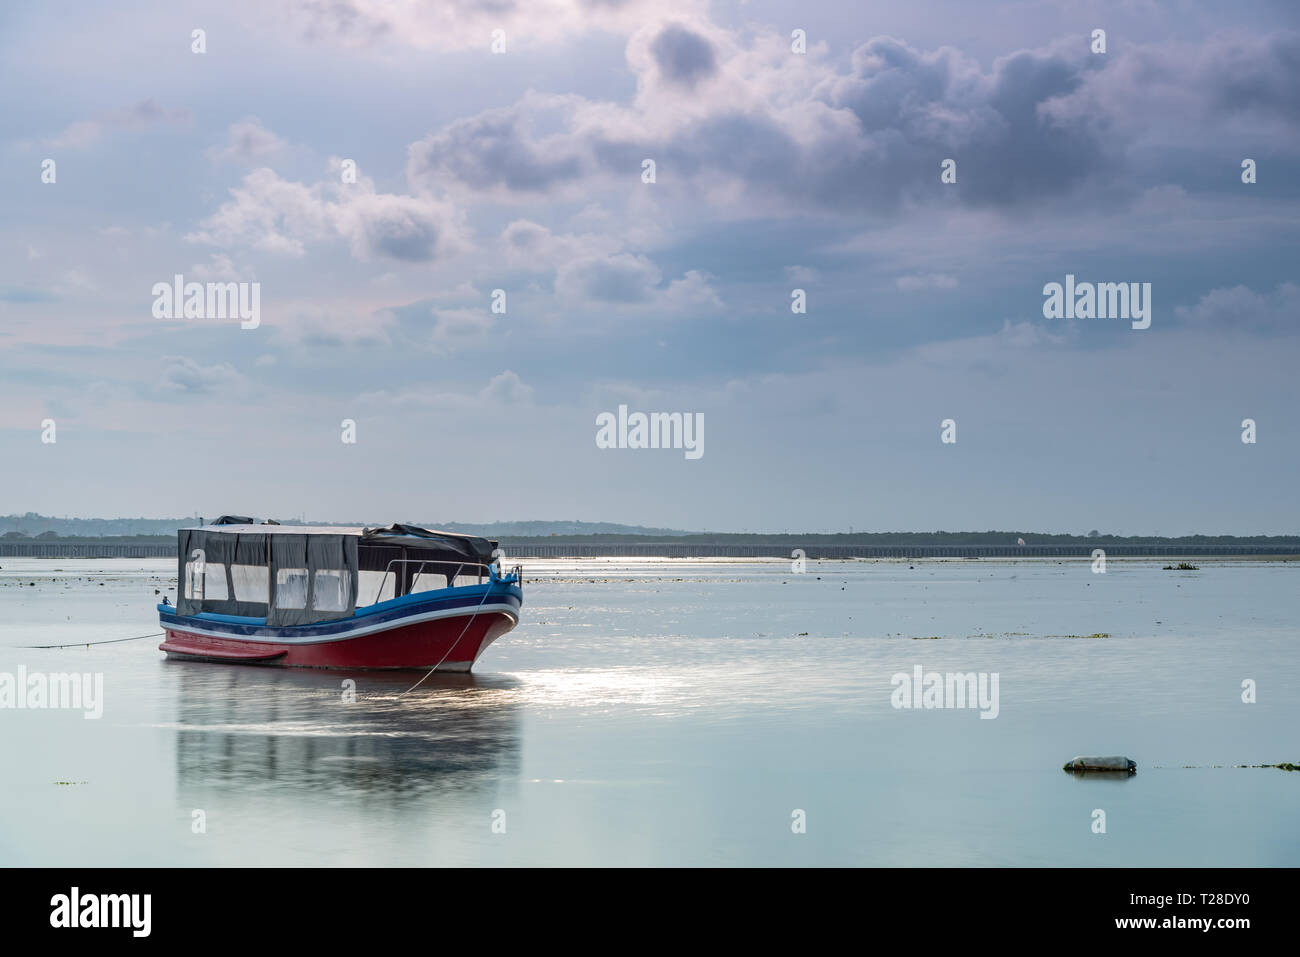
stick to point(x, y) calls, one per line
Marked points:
point(502, 269)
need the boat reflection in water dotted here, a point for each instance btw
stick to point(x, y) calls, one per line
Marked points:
point(264, 729)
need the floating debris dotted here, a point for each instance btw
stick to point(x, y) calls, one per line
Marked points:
point(1182, 567)
point(1114, 764)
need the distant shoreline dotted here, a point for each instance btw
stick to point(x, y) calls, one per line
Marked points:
point(776, 549)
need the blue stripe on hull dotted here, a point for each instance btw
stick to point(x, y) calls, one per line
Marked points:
point(396, 611)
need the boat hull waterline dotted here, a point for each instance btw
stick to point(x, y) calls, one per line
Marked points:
point(447, 630)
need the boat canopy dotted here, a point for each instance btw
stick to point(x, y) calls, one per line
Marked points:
point(300, 574)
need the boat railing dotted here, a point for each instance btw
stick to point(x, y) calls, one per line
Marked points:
point(517, 570)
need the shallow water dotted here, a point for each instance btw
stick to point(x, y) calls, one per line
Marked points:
point(680, 712)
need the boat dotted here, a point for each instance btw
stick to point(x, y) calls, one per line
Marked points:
point(330, 597)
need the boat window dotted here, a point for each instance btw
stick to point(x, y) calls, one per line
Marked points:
point(205, 581)
point(250, 582)
point(374, 587)
point(291, 588)
point(429, 581)
point(331, 591)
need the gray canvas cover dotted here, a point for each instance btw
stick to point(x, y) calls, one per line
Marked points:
point(322, 558)
point(402, 551)
point(218, 551)
point(310, 578)
point(445, 546)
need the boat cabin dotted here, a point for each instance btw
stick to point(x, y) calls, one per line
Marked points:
point(301, 574)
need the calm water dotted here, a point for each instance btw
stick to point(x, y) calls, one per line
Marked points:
point(678, 712)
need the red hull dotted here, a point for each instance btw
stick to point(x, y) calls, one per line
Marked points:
point(448, 643)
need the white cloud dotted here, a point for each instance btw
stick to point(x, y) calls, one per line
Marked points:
point(621, 278)
point(469, 24)
point(502, 390)
point(454, 329)
point(183, 375)
point(1240, 307)
point(631, 280)
point(274, 215)
point(529, 245)
point(507, 389)
point(220, 267)
point(83, 133)
point(248, 142)
point(692, 290)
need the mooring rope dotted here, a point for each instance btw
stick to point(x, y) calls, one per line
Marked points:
point(87, 644)
point(454, 643)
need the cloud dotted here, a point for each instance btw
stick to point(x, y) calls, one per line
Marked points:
point(772, 130)
point(412, 329)
point(741, 123)
point(532, 246)
point(335, 324)
point(220, 267)
point(507, 389)
point(407, 228)
point(185, 376)
point(84, 133)
point(692, 290)
point(271, 214)
point(502, 390)
point(501, 150)
point(1168, 93)
point(591, 268)
point(629, 279)
point(453, 329)
point(930, 280)
point(1015, 348)
point(469, 24)
point(621, 278)
point(683, 56)
point(917, 108)
point(1241, 308)
point(249, 142)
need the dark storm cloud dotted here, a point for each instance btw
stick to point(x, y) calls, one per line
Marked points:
point(877, 134)
point(1034, 126)
point(918, 109)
